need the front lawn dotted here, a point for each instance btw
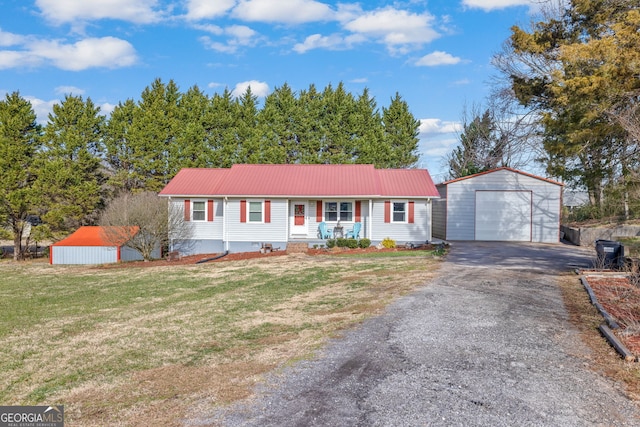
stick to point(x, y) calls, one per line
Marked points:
point(142, 345)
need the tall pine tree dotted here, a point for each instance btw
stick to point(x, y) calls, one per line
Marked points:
point(19, 146)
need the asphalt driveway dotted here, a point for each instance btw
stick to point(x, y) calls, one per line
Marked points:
point(488, 343)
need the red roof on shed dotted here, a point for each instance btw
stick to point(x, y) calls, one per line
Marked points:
point(302, 180)
point(99, 236)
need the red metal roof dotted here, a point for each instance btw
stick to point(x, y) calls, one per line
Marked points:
point(499, 169)
point(302, 181)
point(99, 236)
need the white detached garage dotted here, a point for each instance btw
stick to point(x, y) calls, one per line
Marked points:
point(502, 204)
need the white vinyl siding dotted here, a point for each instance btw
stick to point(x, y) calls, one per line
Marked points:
point(275, 231)
point(202, 230)
point(418, 231)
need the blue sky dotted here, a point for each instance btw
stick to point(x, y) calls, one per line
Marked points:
point(435, 54)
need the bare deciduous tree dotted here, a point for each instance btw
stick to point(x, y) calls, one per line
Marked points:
point(153, 216)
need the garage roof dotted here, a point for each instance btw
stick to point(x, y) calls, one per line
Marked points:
point(500, 169)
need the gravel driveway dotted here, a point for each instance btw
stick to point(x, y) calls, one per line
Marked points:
point(488, 343)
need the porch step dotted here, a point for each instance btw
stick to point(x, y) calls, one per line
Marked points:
point(297, 248)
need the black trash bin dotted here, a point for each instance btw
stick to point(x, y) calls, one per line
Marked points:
point(610, 254)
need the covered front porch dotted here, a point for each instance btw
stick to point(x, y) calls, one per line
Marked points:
point(311, 220)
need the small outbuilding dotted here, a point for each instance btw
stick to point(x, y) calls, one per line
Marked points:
point(95, 245)
point(502, 204)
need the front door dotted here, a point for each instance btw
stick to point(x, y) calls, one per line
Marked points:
point(299, 225)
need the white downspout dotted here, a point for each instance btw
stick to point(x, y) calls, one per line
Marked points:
point(169, 219)
point(370, 215)
point(225, 239)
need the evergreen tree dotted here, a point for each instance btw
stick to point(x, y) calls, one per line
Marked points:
point(70, 178)
point(279, 122)
point(191, 147)
point(19, 146)
point(221, 124)
point(575, 68)
point(250, 149)
point(481, 148)
point(337, 126)
point(309, 129)
point(119, 153)
point(156, 123)
point(369, 132)
point(401, 130)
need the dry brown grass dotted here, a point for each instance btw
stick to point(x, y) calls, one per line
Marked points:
point(603, 358)
point(185, 340)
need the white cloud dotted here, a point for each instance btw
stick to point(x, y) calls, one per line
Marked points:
point(289, 12)
point(42, 108)
point(462, 82)
point(437, 58)
point(259, 89)
point(206, 9)
point(397, 29)
point(64, 11)
point(331, 42)
point(64, 90)
point(105, 52)
point(106, 108)
point(437, 126)
point(10, 39)
point(15, 59)
point(238, 36)
point(488, 5)
point(210, 28)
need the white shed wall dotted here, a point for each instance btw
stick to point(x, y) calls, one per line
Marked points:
point(83, 254)
point(546, 200)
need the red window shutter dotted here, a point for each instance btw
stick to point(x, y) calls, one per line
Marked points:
point(267, 211)
point(187, 210)
point(243, 211)
point(319, 211)
point(411, 212)
point(387, 211)
point(358, 210)
point(209, 210)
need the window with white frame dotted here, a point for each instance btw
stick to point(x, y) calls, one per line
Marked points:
point(255, 211)
point(334, 211)
point(198, 211)
point(399, 212)
point(346, 211)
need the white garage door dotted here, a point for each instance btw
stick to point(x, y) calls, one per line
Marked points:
point(503, 215)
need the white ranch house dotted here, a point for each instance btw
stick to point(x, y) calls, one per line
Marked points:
point(241, 208)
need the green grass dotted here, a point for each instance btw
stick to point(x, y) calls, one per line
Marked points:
point(396, 254)
point(64, 329)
